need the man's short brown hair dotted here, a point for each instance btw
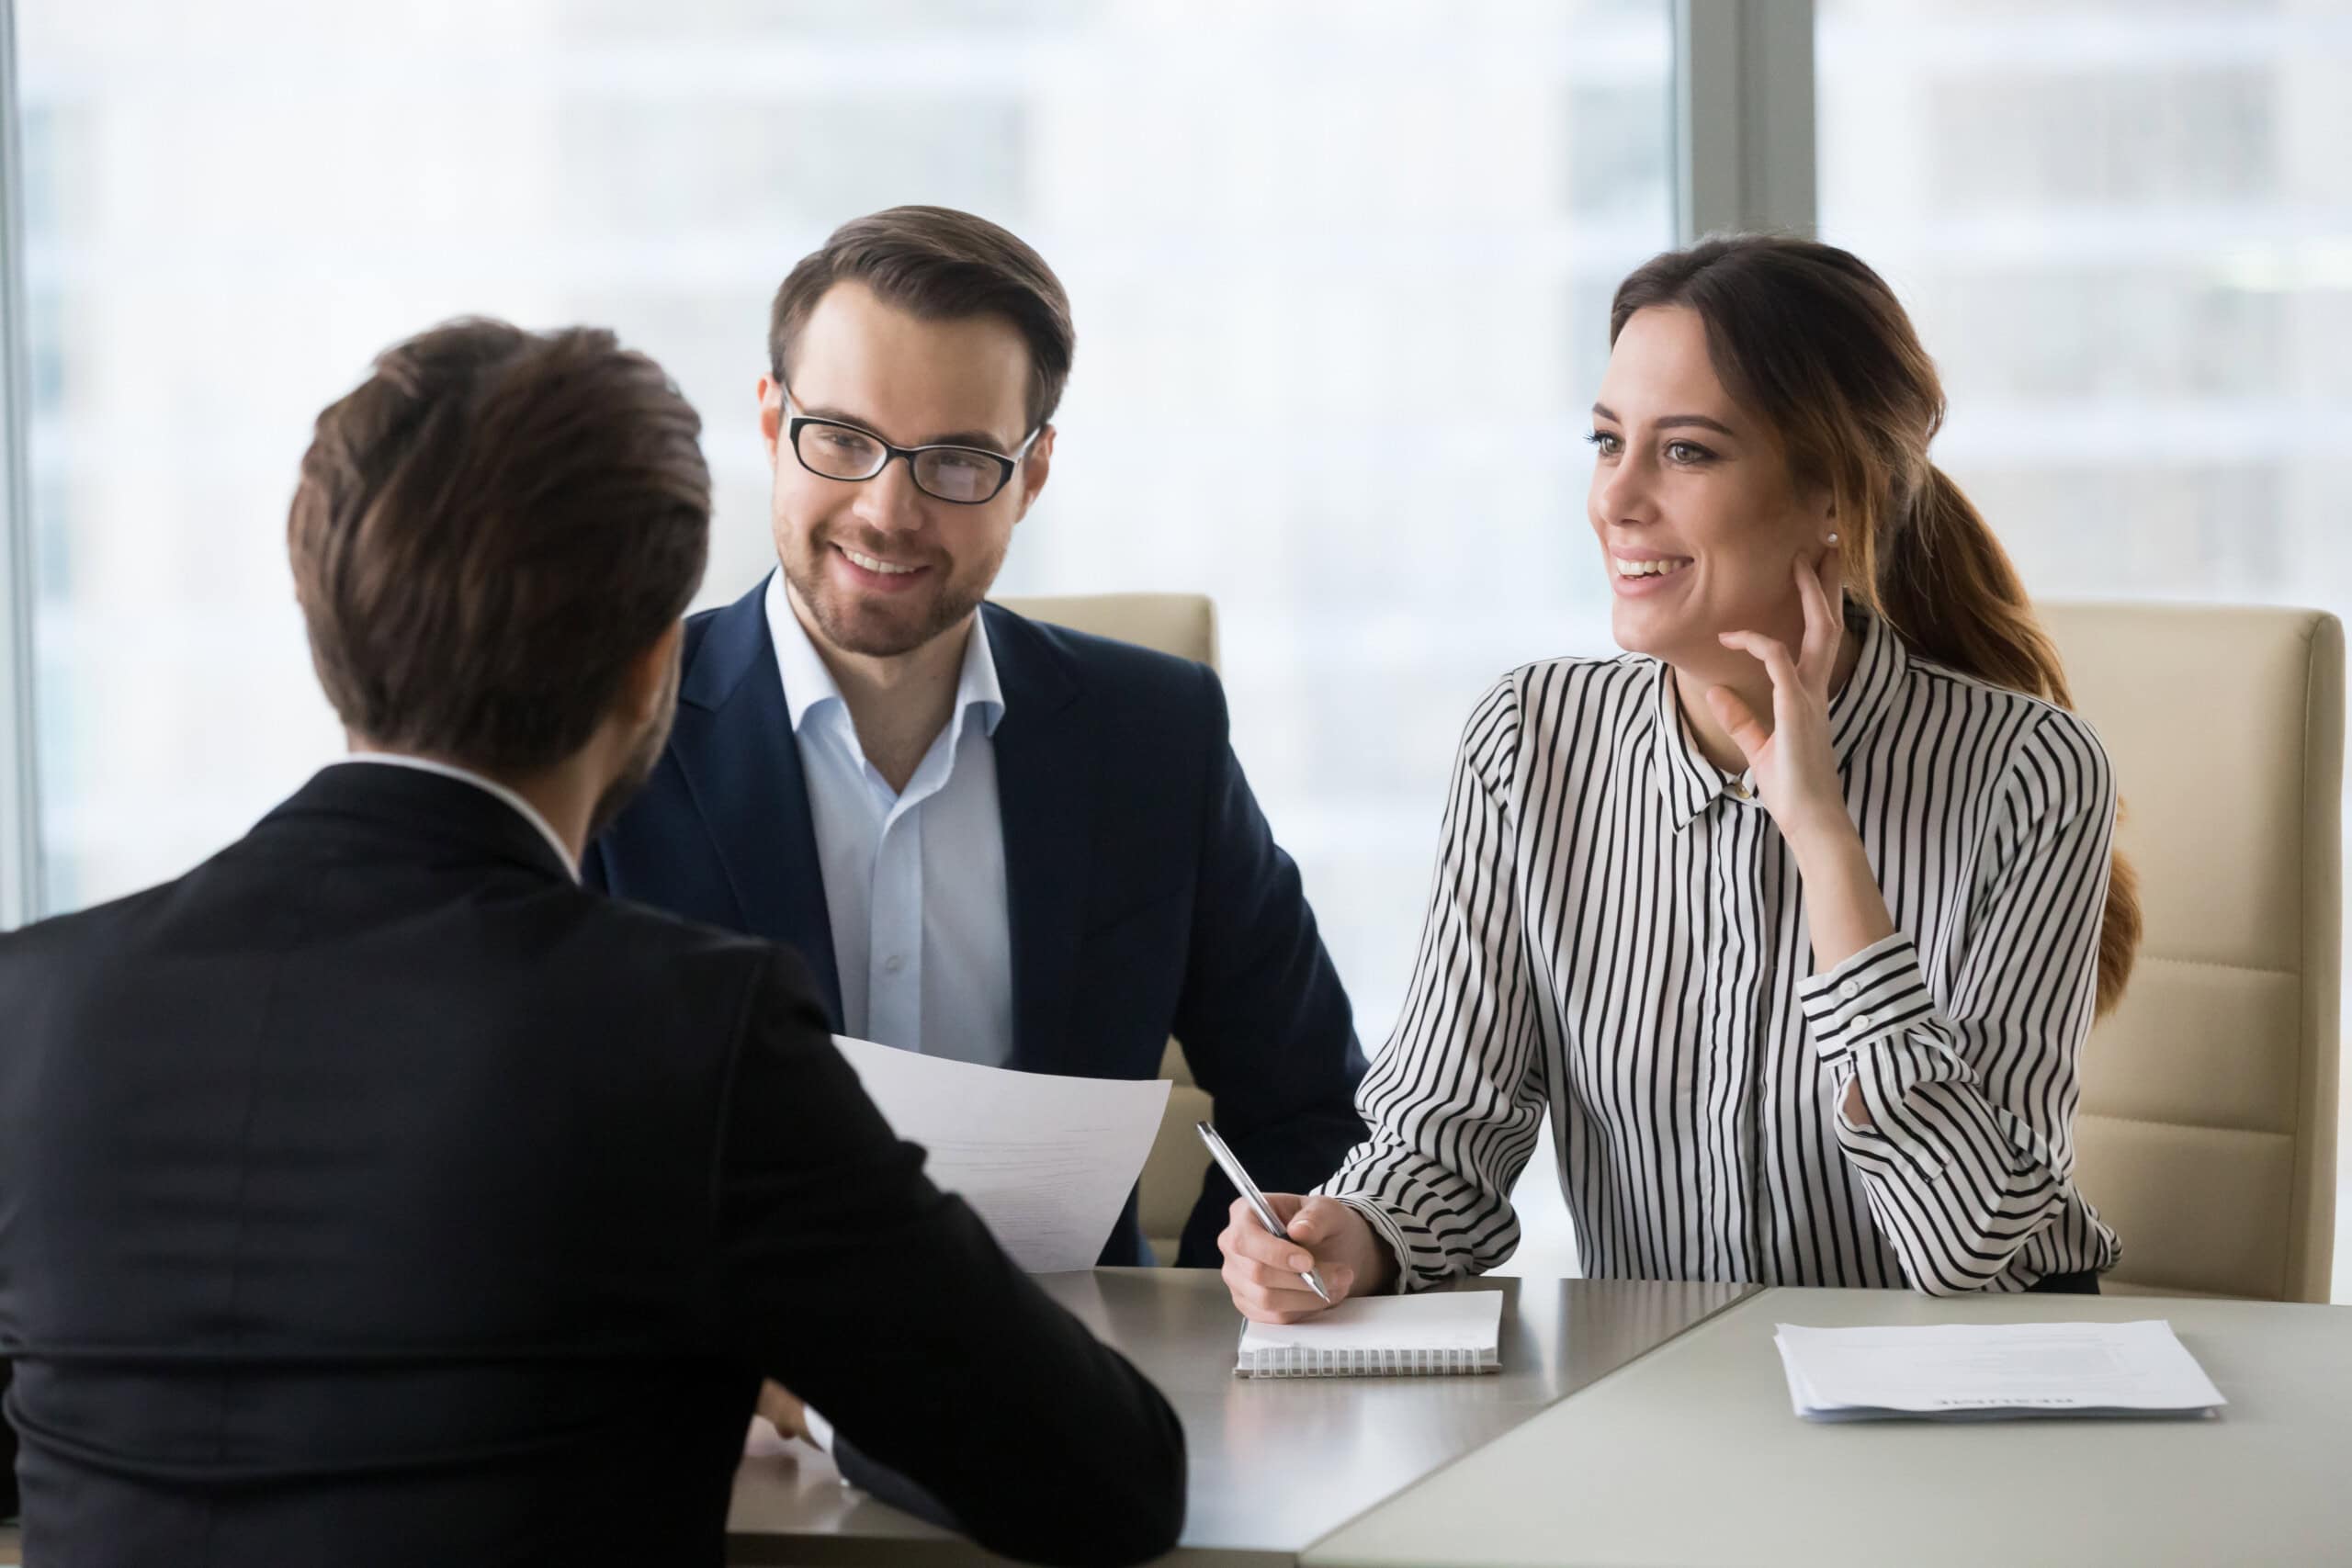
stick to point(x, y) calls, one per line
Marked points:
point(938, 265)
point(488, 531)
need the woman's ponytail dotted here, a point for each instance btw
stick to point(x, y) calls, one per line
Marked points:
point(1947, 588)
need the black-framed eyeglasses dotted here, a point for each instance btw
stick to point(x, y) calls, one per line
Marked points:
point(967, 476)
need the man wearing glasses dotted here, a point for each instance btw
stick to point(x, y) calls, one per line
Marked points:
point(993, 839)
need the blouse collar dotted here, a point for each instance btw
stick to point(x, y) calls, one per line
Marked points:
point(1690, 783)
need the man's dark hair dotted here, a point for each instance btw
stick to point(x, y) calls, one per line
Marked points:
point(938, 265)
point(488, 531)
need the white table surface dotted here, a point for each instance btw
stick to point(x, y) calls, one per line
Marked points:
point(1275, 1464)
point(1691, 1456)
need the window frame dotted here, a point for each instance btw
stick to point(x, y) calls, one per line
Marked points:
point(1742, 133)
point(19, 813)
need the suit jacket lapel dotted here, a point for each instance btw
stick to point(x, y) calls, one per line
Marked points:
point(734, 742)
point(1044, 769)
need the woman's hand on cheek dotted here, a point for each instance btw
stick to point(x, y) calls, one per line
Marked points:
point(1796, 771)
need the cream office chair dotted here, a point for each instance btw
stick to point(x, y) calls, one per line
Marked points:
point(1185, 624)
point(2207, 1133)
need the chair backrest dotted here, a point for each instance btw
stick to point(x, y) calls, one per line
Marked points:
point(2207, 1132)
point(1185, 624)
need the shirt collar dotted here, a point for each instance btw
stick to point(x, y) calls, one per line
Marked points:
point(808, 684)
point(531, 813)
point(1690, 783)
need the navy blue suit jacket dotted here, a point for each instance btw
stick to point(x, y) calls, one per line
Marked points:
point(1146, 895)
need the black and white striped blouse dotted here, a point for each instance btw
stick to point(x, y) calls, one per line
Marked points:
point(1617, 935)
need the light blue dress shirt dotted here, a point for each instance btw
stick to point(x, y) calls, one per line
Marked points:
point(914, 881)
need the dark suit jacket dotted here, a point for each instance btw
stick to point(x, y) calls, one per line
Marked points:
point(8, 1451)
point(374, 1195)
point(1147, 896)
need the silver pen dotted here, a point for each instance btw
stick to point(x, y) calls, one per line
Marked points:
point(1248, 1189)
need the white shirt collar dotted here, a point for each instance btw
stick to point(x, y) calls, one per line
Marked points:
point(531, 813)
point(808, 684)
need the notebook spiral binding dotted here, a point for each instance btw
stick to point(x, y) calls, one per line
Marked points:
point(1297, 1362)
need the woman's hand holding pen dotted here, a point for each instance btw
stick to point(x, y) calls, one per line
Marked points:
point(1262, 1270)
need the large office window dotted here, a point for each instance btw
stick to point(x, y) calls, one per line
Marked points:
point(1340, 272)
point(2125, 231)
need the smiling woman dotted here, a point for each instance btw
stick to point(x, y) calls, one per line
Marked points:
point(1700, 523)
point(1847, 431)
point(1795, 918)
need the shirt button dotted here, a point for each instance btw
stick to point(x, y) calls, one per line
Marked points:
point(1862, 1021)
point(1849, 990)
point(893, 963)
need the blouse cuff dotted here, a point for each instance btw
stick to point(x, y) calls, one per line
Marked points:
point(1360, 1186)
point(1875, 995)
point(1384, 1225)
point(1898, 1135)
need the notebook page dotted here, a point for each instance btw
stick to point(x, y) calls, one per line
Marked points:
point(1451, 1320)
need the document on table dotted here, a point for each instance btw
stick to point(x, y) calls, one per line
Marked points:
point(1046, 1161)
point(1991, 1370)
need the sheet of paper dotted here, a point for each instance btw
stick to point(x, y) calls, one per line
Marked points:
point(1960, 1370)
point(1447, 1320)
point(1046, 1162)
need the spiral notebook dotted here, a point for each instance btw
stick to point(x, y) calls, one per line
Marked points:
point(1453, 1331)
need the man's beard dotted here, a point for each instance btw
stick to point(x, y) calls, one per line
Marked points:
point(842, 628)
point(643, 758)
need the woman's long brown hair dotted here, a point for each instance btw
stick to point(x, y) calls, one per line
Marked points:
point(1813, 340)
